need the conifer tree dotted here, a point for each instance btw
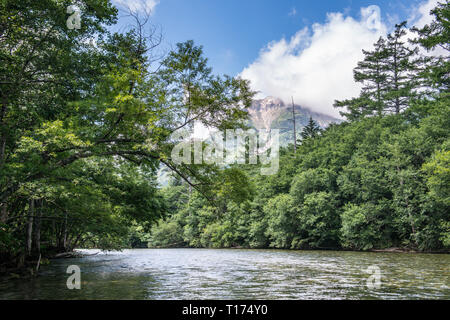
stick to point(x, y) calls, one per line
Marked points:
point(311, 130)
point(372, 74)
point(402, 78)
point(389, 76)
point(436, 35)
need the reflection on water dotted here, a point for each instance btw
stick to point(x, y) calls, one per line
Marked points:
point(238, 274)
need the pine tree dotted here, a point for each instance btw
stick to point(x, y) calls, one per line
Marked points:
point(389, 76)
point(357, 108)
point(372, 74)
point(436, 35)
point(311, 130)
point(402, 77)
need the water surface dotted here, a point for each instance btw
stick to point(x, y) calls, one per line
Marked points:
point(238, 274)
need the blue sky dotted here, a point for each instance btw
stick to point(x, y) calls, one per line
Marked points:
point(232, 32)
point(257, 38)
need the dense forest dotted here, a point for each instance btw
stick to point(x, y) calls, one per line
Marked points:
point(87, 117)
point(381, 179)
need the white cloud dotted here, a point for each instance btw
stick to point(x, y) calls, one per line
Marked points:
point(421, 16)
point(316, 65)
point(138, 5)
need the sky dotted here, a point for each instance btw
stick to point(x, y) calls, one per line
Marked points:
point(300, 48)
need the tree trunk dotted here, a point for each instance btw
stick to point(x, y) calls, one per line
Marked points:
point(2, 150)
point(65, 232)
point(405, 197)
point(30, 226)
point(38, 263)
point(396, 71)
point(379, 108)
point(4, 213)
point(75, 243)
point(2, 131)
point(37, 231)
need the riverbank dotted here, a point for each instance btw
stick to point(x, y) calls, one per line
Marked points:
point(27, 269)
point(408, 250)
point(386, 250)
point(23, 267)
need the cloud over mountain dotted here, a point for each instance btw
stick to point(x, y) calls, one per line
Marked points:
point(315, 66)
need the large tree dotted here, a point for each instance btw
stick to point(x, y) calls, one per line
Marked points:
point(69, 104)
point(389, 76)
point(371, 73)
point(436, 35)
point(402, 80)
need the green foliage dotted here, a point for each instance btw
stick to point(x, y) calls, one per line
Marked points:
point(84, 128)
point(369, 184)
point(372, 73)
point(437, 33)
point(168, 234)
point(438, 177)
point(389, 78)
point(379, 180)
point(374, 183)
point(360, 227)
point(311, 130)
point(282, 221)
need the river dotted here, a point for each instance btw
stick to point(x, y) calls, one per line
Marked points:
point(240, 274)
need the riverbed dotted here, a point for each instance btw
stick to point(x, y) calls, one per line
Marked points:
point(239, 274)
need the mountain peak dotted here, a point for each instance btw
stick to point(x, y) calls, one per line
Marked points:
point(268, 101)
point(273, 113)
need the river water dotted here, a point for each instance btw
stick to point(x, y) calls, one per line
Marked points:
point(240, 274)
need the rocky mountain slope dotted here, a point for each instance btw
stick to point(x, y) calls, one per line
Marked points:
point(273, 113)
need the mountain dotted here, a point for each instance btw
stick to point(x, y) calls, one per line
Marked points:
point(273, 113)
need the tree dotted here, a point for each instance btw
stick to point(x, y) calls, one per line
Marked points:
point(83, 128)
point(356, 108)
point(282, 221)
point(402, 80)
point(438, 182)
point(432, 36)
point(389, 76)
point(372, 74)
point(436, 33)
point(311, 130)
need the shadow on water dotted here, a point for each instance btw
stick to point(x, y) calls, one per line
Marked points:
point(239, 274)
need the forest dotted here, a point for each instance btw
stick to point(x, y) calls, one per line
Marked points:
point(85, 127)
